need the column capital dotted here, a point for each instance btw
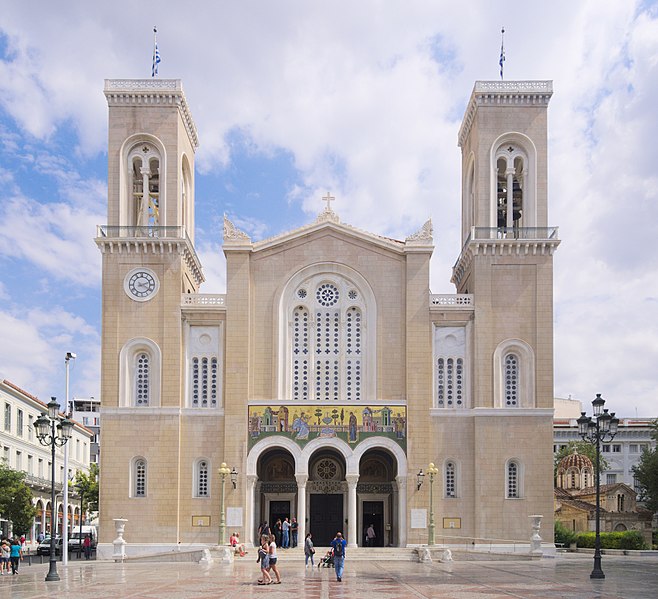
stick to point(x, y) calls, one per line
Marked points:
point(251, 479)
point(352, 479)
point(302, 479)
point(401, 481)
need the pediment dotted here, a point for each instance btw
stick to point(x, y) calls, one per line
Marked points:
point(328, 221)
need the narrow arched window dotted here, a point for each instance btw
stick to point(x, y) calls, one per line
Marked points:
point(201, 483)
point(511, 379)
point(449, 366)
point(142, 372)
point(139, 477)
point(450, 475)
point(144, 170)
point(513, 480)
point(204, 378)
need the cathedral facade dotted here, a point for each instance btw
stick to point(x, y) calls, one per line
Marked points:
point(328, 378)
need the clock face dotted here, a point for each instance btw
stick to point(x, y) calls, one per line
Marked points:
point(141, 284)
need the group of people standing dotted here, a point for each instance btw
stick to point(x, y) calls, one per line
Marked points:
point(285, 532)
point(11, 552)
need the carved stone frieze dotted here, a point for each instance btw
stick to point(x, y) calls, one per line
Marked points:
point(232, 233)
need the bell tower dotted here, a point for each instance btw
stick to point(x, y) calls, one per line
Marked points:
point(506, 263)
point(149, 264)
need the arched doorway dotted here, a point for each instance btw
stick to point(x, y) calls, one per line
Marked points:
point(327, 491)
point(377, 497)
point(276, 487)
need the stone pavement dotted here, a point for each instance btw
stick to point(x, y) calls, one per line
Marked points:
point(566, 576)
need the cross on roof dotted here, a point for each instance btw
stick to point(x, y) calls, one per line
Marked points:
point(328, 198)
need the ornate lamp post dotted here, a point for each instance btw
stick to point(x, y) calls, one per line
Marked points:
point(432, 471)
point(223, 472)
point(58, 436)
point(602, 427)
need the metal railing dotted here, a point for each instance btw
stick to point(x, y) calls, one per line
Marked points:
point(141, 232)
point(513, 233)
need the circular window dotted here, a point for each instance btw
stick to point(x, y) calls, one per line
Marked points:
point(327, 469)
point(352, 294)
point(327, 294)
point(301, 293)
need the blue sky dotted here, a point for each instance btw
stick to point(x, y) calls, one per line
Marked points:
point(294, 98)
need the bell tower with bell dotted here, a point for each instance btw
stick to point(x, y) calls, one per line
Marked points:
point(506, 263)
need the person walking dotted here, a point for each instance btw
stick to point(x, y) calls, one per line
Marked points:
point(338, 545)
point(15, 555)
point(264, 559)
point(4, 557)
point(309, 550)
point(294, 530)
point(86, 546)
point(285, 530)
point(370, 536)
point(273, 559)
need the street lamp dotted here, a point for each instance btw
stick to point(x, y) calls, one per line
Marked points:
point(432, 470)
point(58, 436)
point(420, 477)
point(603, 427)
point(65, 499)
point(223, 472)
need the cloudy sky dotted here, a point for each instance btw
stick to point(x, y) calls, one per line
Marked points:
point(293, 98)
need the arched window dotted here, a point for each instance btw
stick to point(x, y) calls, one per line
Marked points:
point(204, 378)
point(202, 478)
point(144, 185)
point(514, 375)
point(330, 336)
point(449, 367)
point(513, 480)
point(586, 478)
point(450, 475)
point(513, 163)
point(139, 374)
point(511, 366)
point(139, 472)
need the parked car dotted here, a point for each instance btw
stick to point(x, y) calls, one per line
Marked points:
point(43, 548)
point(74, 541)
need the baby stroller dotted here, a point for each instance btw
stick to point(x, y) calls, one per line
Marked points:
point(327, 561)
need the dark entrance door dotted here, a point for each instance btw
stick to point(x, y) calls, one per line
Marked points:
point(373, 513)
point(279, 510)
point(326, 518)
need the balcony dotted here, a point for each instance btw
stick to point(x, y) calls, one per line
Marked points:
point(453, 301)
point(512, 233)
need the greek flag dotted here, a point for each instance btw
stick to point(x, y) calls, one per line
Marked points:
point(156, 54)
point(502, 52)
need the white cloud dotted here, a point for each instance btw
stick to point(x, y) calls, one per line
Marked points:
point(367, 98)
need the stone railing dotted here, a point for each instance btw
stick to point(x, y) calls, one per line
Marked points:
point(460, 300)
point(203, 299)
point(513, 233)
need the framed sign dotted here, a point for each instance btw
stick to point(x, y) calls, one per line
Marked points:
point(200, 520)
point(418, 518)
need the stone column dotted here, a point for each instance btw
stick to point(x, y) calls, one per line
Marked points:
point(352, 532)
point(250, 526)
point(301, 508)
point(402, 510)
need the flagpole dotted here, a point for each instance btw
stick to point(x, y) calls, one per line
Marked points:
point(502, 51)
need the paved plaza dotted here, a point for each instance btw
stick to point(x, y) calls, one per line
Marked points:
point(566, 576)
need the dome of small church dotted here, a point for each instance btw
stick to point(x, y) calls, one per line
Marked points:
point(575, 460)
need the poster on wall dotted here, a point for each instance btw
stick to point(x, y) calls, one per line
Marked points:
point(351, 423)
point(234, 516)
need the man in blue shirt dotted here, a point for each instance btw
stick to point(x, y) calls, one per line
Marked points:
point(339, 544)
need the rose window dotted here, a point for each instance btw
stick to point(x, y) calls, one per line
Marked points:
point(327, 469)
point(327, 294)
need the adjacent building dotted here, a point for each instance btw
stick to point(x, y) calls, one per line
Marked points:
point(328, 376)
point(22, 451)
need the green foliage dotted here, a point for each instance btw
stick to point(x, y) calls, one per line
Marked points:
point(563, 535)
point(16, 500)
point(630, 539)
point(646, 473)
point(583, 448)
point(88, 485)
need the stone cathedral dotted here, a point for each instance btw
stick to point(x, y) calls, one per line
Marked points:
point(328, 376)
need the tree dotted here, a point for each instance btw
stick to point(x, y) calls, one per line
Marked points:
point(646, 473)
point(583, 448)
point(16, 500)
point(87, 483)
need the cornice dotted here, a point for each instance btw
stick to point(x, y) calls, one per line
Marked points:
point(157, 92)
point(154, 246)
point(500, 247)
point(503, 93)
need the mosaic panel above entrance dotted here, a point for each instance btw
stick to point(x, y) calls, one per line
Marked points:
point(352, 424)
